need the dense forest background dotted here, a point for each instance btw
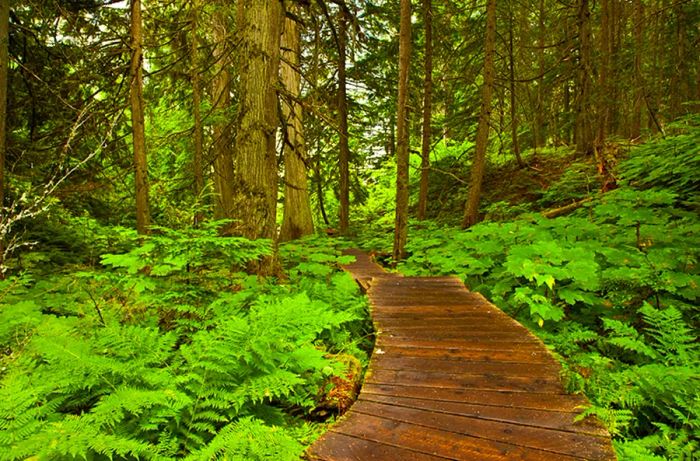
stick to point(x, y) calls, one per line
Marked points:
point(178, 179)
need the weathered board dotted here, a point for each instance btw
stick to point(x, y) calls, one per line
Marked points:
point(453, 377)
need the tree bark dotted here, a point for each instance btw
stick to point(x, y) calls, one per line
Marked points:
point(584, 127)
point(402, 147)
point(539, 110)
point(4, 69)
point(471, 210)
point(636, 122)
point(297, 221)
point(427, 109)
point(143, 218)
point(604, 46)
point(196, 112)
point(222, 143)
point(256, 157)
point(679, 77)
point(513, 108)
point(344, 157)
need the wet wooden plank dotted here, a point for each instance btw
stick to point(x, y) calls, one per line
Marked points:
point(474, 351)
point(529, 400)
point(490, 381)
point(348, 448)
point(547, 419)
point(451, 366)
point(437, 442)
point(555, 441)
point(453, 377)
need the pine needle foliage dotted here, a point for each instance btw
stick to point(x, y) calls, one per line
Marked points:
point(173, 352)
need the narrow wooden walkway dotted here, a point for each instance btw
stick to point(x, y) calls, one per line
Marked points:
point(453, 377)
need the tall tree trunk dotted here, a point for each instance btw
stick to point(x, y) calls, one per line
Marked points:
point(402, 147)
point(143, 218)
point(344, 157)
point(471, 210)
point(584, 127)
point(679, 77)
point(4, 69)
point(196, 111)
point(221, 94)
point(513, 108)
point(636, 122)
point(427, 109)
point(314, 101)
point(569, 128)
point(604, 46)
point(256, 157)
point(297, 221)
point(539, 111)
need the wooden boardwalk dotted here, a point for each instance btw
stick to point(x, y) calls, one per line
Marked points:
point(454, 378)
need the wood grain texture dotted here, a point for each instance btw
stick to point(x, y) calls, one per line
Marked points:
point(454, 378)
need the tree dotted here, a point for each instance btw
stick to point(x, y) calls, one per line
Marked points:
point(636, 123)
point(584, 126)
point(256, 125)
point(297, 221)
point(344, 157)
point(402, 147)
point(471, 210)
point(513, 109)
point(427, 108)
point(4, 68)
point(195, 80)
point(221, 94)
point(143, 218)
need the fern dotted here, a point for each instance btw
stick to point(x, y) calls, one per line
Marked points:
point(249, 439)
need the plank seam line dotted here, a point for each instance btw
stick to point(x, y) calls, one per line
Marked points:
point(488, 375)
point(378, 383)
point(506, 421)
point(462, 434)
point(388, 444)
point(455, 349)
point(457, 360)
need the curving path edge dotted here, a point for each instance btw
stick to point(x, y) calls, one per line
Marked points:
point(452, 377)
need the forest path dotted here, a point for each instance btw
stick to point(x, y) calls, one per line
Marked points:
point(453, 377)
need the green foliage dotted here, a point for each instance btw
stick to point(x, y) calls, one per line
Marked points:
point(172, 352)
point(670, 163)
point(613, 288)
point(580, 180)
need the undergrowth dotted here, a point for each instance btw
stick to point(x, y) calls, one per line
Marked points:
point(171, 351)
point(613, 288)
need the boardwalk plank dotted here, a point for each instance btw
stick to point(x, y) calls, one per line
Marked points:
point(479, 352)
point(437, 442)
point(527, 400)
point(347, 448)
point(451, 366)
point(548, 419)
point(497, 382)
point(454, 378)
point(555, 441)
